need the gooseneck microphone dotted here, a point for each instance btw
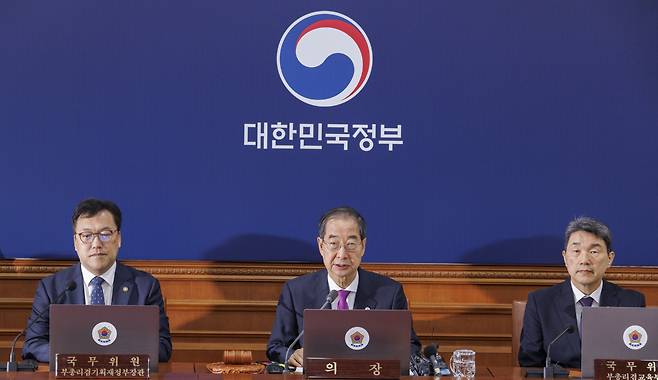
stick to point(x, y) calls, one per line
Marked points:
point(549, 368)
point(12, 364)
point(331, 296)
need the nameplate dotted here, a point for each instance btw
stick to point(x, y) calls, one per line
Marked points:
point(625, 369)
point(94, 365)
point(322, 368)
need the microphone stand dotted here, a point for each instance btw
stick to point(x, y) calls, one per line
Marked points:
point(12, 365)
point(330, 298)
point(550, 369)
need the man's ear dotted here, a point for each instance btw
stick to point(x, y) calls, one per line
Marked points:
point(564, 256)
point(320, 246)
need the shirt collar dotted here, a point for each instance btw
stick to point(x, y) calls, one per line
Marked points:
point(352, 287)
point(596, 295)
point(108, 276)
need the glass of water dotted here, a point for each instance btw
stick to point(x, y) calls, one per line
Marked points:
point(462, 363)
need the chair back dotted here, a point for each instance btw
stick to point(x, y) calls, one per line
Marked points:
point(518, 311)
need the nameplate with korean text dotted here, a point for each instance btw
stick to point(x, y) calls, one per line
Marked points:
point(124, 366)
point(625, 369)
point(317, 368)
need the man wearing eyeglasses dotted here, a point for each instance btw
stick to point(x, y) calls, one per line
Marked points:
point(99, 278)
point(342, 242)
point(587, 255)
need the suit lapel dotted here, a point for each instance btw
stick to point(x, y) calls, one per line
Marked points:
point(609, 295)
point(319, 289)
point(364, 297)
point(77, 296)
point(566, 308)
point(123, 286)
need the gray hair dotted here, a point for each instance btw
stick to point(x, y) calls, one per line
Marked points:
point(344, 211)
point(591, 225)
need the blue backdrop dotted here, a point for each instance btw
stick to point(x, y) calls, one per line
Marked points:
point(508, 119)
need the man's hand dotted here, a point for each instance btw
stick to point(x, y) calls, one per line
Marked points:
point(297, 358)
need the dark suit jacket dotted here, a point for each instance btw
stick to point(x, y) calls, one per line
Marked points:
point(550, 311)
point(309, 292)
point(143, 289)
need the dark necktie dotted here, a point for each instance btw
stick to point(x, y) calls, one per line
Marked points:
point(584, 302)
point(342, 300)
point(97, 297)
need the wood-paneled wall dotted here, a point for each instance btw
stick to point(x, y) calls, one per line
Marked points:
point(216, 306)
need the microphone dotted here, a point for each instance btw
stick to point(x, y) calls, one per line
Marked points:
point(331, 296)
point(430, 353)
point(549, 369)
point(12, 365)
point(438, 366)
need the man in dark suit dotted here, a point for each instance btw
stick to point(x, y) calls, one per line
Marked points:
point(99, 278)
point(587, 255)
point(342, 243)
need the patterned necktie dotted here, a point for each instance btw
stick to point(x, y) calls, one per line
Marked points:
point(342, 300)
point(584, 302)
point(97, 297)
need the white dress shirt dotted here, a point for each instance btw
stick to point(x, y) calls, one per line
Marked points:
point(108, 276)
point(352, 287)
point(577, 295)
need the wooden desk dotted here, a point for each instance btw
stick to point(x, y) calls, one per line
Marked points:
point(482, 373)
point(506, 372)
point(517, 373)
point(198, 371)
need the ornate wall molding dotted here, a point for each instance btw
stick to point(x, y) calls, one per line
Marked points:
point(403, 272)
